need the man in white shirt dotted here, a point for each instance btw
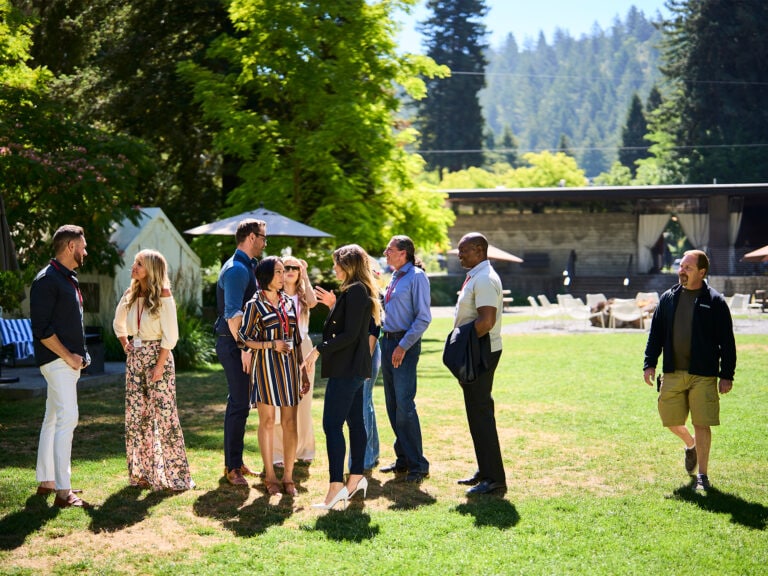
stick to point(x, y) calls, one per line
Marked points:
point(480, 301)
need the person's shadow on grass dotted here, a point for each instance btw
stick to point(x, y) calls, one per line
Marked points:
point(124, 508)
point(347, 526)
point(749, 514)
point(225, 504)
point(260, 515)
point(16, 526)
point(490, 511)
point(405, 495)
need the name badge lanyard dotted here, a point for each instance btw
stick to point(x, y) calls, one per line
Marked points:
point(76, 286)
point(282, 316)
point(68, 276)
point(392, 285)
point(456, 310)
point(139, 311)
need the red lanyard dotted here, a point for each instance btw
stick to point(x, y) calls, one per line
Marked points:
point(466, 280)
point(391, 288)
point(69, 277)
point(282, 314)
point(138, 315)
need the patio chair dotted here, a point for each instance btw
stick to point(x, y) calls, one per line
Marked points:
point(545, 303)
point(564, 300)
point(739, 304)
point(577, 310)
point(541, 312)
point(594, 300)
point(626, 311)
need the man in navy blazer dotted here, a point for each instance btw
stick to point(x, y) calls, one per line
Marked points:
point(480, 301)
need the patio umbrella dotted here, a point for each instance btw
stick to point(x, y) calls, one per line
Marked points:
point(8, 262)
point(277, 225)
point(7, 250)
point(759, 255)
point(495, 254)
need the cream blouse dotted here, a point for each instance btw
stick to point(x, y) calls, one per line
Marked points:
point(163, 326)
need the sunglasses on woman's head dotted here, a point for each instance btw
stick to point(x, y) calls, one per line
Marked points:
point(289, 268)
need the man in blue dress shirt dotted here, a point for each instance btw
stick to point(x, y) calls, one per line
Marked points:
point(236, 285)
point(407, 316)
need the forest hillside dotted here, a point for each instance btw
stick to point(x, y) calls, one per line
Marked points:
point(580, 88)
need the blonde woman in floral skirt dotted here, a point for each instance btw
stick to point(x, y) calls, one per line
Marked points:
point(145, 323)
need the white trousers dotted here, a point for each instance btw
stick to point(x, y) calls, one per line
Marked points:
point(54, 453)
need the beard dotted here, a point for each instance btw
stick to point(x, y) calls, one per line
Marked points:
point(683, 279)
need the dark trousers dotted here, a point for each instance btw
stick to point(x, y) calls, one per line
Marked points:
point(238, 400)
point(482, 423)
point(344, 403)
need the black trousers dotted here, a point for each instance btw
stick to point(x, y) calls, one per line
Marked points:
point(344, 403)
point(478, 403)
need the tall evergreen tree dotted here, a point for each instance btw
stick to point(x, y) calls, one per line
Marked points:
point(564, 145)
point(509, 146)
point(714, 54)
point(450, 117)
point(634, 146)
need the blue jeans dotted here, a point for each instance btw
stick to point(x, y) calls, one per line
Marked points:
point(344, 402)
point(400, 395)
point(369, 414)
point(238, 401)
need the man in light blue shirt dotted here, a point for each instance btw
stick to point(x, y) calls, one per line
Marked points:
point(407, 316)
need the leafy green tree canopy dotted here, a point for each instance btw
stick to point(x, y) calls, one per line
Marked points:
point(303, 95)
point(53, 170)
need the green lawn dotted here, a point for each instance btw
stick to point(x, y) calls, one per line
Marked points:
point(596, 486)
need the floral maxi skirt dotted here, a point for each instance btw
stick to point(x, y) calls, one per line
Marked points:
point(154, 442)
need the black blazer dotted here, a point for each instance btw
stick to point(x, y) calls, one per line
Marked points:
point(466, 355)
point(344, 348)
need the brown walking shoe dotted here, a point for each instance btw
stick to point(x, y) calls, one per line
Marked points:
point(235, 477)
point(70, 501)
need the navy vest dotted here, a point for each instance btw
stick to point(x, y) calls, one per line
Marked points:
point(221, 326)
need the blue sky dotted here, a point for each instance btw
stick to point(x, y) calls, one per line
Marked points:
point(525, 19)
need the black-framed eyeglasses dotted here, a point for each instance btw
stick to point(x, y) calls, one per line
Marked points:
point(264, 236)
point(292, 268)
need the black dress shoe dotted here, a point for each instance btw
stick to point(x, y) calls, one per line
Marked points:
point(396, 468)
point(416, 477)
point(486, 487)
point(471, 481)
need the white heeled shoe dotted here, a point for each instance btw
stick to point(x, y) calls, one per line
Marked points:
point(341, 496)
point(361, 485)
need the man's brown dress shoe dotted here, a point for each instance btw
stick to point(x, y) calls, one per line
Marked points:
point(235, 477)
point(70, 501)
point(244, 470)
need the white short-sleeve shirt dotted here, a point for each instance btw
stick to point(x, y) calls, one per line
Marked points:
point(481, 288)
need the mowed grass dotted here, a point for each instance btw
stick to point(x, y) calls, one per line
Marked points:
point(596, 485)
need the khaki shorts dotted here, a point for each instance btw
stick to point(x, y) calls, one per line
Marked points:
point(682, 393)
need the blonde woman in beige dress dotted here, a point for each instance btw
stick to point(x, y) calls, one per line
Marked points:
point(145, 323)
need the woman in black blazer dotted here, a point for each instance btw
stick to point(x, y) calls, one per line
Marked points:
point(346, 364)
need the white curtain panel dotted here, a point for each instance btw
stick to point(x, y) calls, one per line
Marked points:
point(649, 227)
point(696, 228)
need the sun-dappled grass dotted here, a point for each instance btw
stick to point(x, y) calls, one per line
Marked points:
point(596, 485)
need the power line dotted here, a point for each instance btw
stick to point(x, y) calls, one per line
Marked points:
point(581, 77)
point(591, 149)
